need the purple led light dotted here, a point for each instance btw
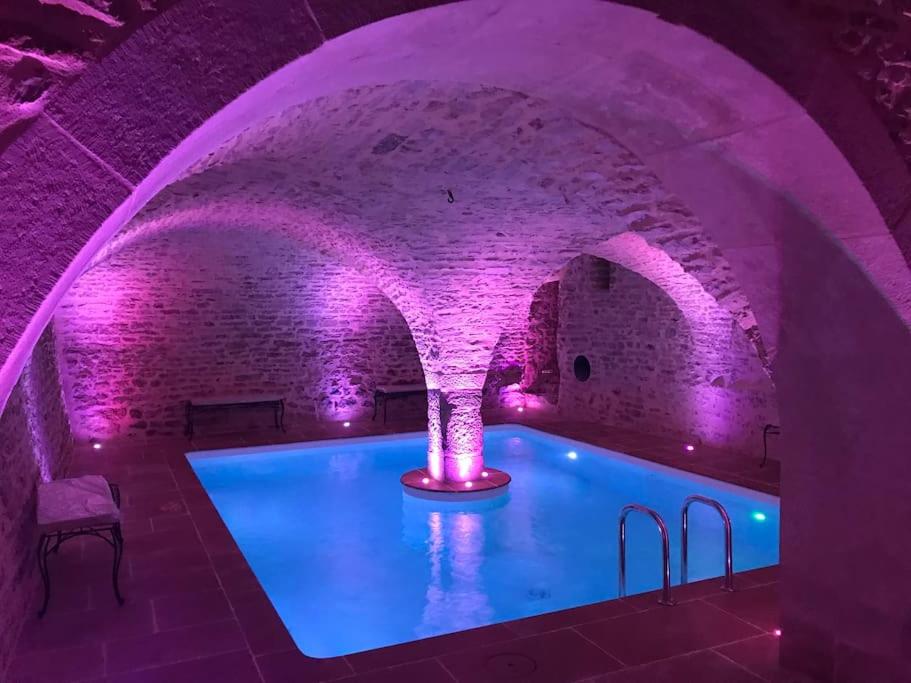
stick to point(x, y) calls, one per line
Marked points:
point(96, 446)
point(689, 448)
point(346, 424)
point(425, 481)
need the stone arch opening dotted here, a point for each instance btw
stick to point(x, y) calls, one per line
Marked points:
point(687, 373)
point(669, 359)
point(216, 311)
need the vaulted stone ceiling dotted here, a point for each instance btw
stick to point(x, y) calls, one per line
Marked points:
point(45, 44)
point(366, 175)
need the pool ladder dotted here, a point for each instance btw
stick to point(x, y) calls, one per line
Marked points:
point(666, 598)
point(728, 542)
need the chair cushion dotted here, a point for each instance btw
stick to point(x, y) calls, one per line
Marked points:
point(68, 504)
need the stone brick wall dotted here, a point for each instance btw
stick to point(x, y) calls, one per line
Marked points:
point(650, 370)
point(35, 443)
point(542, 367)
point(506, 367)
point(874, 41)
point(221, 313)
point(46, 45)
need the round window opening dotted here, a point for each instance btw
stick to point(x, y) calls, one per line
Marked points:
point(582, 369)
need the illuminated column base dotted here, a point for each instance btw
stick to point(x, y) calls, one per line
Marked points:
point(455, 451)
point(493, 483)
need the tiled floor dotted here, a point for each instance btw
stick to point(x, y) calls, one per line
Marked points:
point(195, 612)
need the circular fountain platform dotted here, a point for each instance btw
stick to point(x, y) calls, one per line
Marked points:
point(420, 484)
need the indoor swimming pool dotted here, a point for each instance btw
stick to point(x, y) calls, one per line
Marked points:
point(351, 562)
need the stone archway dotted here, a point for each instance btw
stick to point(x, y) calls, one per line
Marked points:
point(217, 309)
point(367, 174)
point(653, 331)
point(77, 150)
point(309, 229)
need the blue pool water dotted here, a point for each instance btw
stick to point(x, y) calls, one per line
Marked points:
point(352, 563)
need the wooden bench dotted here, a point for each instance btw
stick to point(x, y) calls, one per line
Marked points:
point(385, 392)
point(208, 405)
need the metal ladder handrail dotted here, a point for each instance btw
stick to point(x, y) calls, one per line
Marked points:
point(728, 542)
point(768, 429)
point(666, 598)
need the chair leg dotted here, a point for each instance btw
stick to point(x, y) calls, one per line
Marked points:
point(43, 543)
point(117, 538)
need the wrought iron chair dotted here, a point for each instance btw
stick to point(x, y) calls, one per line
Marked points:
point(83, 506)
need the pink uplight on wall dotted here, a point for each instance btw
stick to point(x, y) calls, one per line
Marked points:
point(37, 433)
point(434, 436)
point(689, 448)
point(435, 464)
point(464, 465)
point(346, 423)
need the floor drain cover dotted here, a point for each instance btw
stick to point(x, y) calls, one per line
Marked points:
point(507, 665)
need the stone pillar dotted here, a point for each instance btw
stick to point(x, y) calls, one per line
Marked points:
point(456, 434)
point(456, 362)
